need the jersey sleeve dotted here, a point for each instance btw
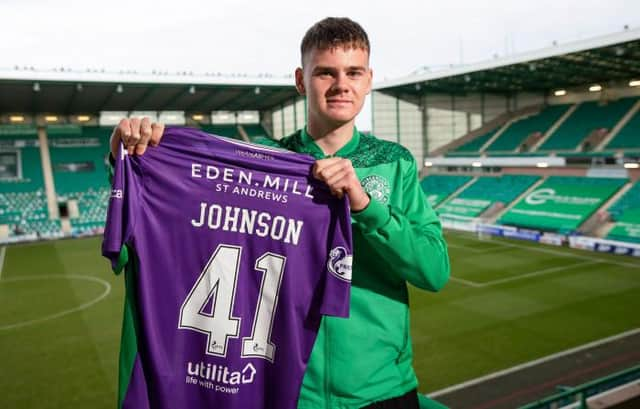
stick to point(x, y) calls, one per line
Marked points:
point(337, 291)
point(408, 237)
point(124, 205)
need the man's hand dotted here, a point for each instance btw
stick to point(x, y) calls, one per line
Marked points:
point(339, 175)
point(136, 134)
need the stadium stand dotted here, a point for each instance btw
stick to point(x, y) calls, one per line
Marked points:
point(23, 204)
point(80, 173)
point(517, 132)
point(485, 192)
point(626, 215)
point(475, 144)
point(589, 117)
point(562, 203)
point(230, 131)
point(438, 187)
point(629, 136)
point(26, 213)
point(78, 157)
point(255, 131)
point(92, 210)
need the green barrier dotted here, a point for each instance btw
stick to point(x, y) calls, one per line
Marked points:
point(583, 392)
point(561, 203)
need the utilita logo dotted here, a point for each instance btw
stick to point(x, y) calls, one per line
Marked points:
point(221, 374)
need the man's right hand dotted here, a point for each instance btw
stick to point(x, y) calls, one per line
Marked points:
point(136, 134)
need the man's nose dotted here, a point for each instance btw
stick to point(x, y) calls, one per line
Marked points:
point(340, 83)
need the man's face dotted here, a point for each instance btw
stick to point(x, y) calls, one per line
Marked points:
point(335, 82)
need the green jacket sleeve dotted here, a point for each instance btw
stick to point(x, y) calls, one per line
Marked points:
point(409, 237)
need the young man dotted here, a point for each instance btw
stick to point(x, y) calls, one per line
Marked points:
point(364, 361)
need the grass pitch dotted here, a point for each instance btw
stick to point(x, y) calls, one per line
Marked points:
point(508, 302)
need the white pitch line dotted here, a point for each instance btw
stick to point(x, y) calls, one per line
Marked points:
point(558, 253)
point(521, 276)
point(3, 251)
point(537, 273)
point(568, 254)
point(466, 282)
point(86, 305)
point(532, 363)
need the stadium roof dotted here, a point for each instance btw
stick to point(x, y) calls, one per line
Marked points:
point(67, 92)
point(598, 60)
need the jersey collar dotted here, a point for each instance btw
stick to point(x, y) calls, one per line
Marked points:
point(310, 145)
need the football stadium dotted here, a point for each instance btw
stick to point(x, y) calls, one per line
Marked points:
point(532, 162)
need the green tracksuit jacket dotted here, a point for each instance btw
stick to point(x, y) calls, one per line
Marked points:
point(396, 239)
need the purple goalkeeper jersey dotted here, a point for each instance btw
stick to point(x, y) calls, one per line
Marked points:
point(235, 252)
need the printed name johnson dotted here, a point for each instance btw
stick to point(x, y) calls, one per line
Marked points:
point(249, 221)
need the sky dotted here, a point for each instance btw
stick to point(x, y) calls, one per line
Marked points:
point(252, 37)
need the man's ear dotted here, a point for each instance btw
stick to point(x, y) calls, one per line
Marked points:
point(299, 74)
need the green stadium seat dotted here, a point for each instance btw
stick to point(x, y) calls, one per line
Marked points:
point(485, 192)
point(255, 131)
point(78, 158)
point(629, 136)
point(230, 131)
point(562, 203)
point(475, 144)
point(626, 216)
point(438, 187)
point(588, 117)
point(518, 131)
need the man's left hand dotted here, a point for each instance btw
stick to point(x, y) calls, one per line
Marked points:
point(339, 175)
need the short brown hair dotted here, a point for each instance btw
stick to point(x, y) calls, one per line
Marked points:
point(333, 32)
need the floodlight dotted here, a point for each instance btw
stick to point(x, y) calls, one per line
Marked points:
point(560, 92)
point(16, 118)
point(476, 164)
point(428, 164)
point(634, 83)
point(83, 118)
point(198, 117)
point(542, 165)
point(631, 165)
point(595, 88)
point(51, 118)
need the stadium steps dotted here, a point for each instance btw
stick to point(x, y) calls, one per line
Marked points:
point(437, 188)
point(458, 191)
point(589, 116)
point(603, 229)
point(497, 134)
point(601, 216)
point(243, 134)
point(255, 131)
point(617, 196)
point(554, 127)
point(531, 188)
point(619, 126)
point(49, 185)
